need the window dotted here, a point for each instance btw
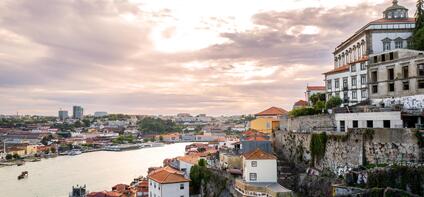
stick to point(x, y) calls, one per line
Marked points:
point(370, 124)
point(386, 123)
point(342, 126)
point(405, 72)
point(345, 97)
point(375, 59)
point(421, 84)
point(345, 83)
point(374, 76)
point(268, 125)
point(254, 163)
point(420, 69)
point(353, 68)
point(383, 57)
point(355, 124)
point(337, 83)
point(398, 44)
point(363, 79)
point(252, 176)
point(354, 81)
point(391, 87)
point(182, 186)
point(329, 84)
point(391, 56)
point(354, 95)
point(374, 89)
point(406, 85)
point(390, 74)
point(363, 67)
point(364, 93)
point(154, 184)
point(387, 44)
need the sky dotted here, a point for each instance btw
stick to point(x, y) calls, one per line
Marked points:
point(219, 57)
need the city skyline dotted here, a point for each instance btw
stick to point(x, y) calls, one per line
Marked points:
point(141, 57)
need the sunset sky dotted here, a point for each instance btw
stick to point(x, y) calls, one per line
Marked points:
point(170, 56)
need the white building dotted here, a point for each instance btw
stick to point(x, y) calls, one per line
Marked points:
point(168, 182)
point(260, 176)
point(390, 119)
point(186, 162)
point(348, 79)
point(311, 90)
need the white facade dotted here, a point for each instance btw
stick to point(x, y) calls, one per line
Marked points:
point(350, 57)
point(260, 171)
point(168, 190)
point(185, 167)
point(368, 120)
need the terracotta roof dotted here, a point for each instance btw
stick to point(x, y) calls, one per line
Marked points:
point(252, 133)
point(301, 103)
point(272, 112)
point(383, 20)
point(191, 159)
point(167, 175)
point(315, 88)
point(257, 138)
point(340, 69)
point(259, 154)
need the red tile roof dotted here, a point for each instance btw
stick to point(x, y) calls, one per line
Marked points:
point(191, 159)
point(383, 20)
point(259, 154)
point(257, 138)
point(340, 69)
point(167, 175)
point(315, 88)
point(301, 103)
point(273, 111)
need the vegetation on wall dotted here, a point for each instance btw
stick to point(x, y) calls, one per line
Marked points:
point(406, 178)
point(200, 176)
point(420, 138)
point(318, 146)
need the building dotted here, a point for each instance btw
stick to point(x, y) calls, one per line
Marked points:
point(300, 104)
point(269, 120)
point(383, 119)
point(166, 182)
point(396, 79)
point(78, 112)
point(348, 79)
point(100, 114)
point(260, 176)
point(250, 143)
point(397, 73)
point(311, 90)
point(63, 115)
point(186, 162)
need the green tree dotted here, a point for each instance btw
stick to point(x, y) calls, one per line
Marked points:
point(161, 138)
point(418, 34)
point(196, 178)
point(319, 106)
point(86, 122)
point(16, 156)
point(9, 156)
point(333, 102)
point(315, 98)
point(202, 162)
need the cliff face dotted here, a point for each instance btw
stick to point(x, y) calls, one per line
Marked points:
point(343, 151)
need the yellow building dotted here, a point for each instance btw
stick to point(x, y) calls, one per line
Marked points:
point(268, 121)
point(31, 149)
point(265, 125)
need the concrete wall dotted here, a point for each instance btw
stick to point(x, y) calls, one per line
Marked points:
point(322, 122)
point(349, 150)
point(378, 119)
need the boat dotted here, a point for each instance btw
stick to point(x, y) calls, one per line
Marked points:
point(20, 163)
point(23, 175)
point(74, 152)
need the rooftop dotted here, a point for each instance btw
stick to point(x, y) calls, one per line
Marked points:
point(167, 175)
point(340, 69)
point(301, 103)
point(259, 154)
point(272, 111)
point(315, 88)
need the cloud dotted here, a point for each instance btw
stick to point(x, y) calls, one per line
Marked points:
point(105, 55)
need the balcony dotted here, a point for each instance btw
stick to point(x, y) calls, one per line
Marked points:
point(261, 189)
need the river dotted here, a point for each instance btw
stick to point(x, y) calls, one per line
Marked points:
point(98, 170)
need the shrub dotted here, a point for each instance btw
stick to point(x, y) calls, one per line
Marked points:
point(333, 102)
point(318, 146)
point(304, 111)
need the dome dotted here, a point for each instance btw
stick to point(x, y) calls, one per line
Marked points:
point(395, 11)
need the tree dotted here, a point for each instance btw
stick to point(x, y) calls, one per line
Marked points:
point(16, 156)
point(418, 34)
point(202, 162)
point(315, 98)
point(53, 150)
point(161, 138)
point(319, 106)
point(86, 122)
point(333, 102)
point(9, 156)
